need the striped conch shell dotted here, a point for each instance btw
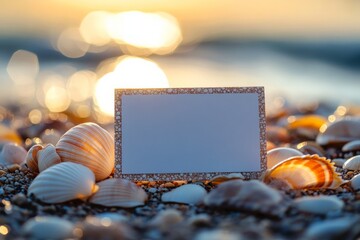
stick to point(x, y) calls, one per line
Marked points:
point(305, 172)
point(47, 157)
point(116, 192)
point(90, 145)
point(63, 182)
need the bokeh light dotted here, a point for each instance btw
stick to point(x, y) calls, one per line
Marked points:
point(81, 85)
point(130, 72)
point(71, 44)
point(93, 29)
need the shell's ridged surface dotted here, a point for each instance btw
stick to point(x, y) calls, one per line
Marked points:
point(63, 182)
point(319, 204)
point(340, 132)
point(12, 154)
point(47, 157)
point(117, 192)
point(244, 195)
point(90, 145)
point(280, 154)
point(305, 172)
point(309, 121)
point(31, 158)
point(351, 146)
point(352, 163)
point(189, 194)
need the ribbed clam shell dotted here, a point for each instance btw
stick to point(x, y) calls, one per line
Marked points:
point(189, 194)
point(318, 205)
point(351, 146)
point(340, 132)
point(304, 172)
point(117, 192)
point(223, 178)
point(12, 154)
point(47, 157)
point(63, 182)
point(352, 163)
point(280, 154)
point(90, 145)
point(31, 158)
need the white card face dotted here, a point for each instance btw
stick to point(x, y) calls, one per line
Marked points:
point(189, 134)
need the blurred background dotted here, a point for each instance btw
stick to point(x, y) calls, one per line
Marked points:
point(64, 58)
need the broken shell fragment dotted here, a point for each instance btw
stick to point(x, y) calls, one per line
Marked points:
point(280, 154)
point(47, 157)
point(340, 132)
point(188, 194)
point(90, 145)
point(63, 182)
point(352, 163)
point(305, 172)
point(318, 205)
point(31, 158)
point(12, 154)
point(117, 192)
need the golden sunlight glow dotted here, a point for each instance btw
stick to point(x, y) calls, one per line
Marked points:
point(57, 99)
point(130, 72)
point(93, 29)
point(4, 230)
point(71, 44)
point(159, 32)
point(81, 85)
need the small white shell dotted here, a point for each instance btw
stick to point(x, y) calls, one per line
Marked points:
point(355, 182)
point(351, 146)
point(90, 145)
point(31, 158)
point(189, 194)
point(276, 155)
point(12, 154)
point(48, 228)
point(352, 163)
point(47, 157)
point(117, 192)
point(63, 182)
point(318, 205)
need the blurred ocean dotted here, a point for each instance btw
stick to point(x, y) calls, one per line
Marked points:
point(299, 71)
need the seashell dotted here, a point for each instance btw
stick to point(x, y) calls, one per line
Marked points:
point(117, 192)
point(250, 195)
point(355, 182)
point(63, 182)
point(48, 228)
point(223, 178)
point(310, 148)
point(12, 154)
point(188, 194)
point(31, 158)
point(340, 132)
point(280, 154)
point(305, 172)
point(277, 134)
point(90, 145)
point(339, 228)
point(352, 163)
point(338, 162)
point(351, 146)
point(47, 157)
point(9, 135)
point(94, 228)
point(307, 121)
point(318, 205)
point(167, 219)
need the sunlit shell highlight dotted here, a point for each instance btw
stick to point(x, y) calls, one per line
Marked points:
point(280, 154)
point(305, 172)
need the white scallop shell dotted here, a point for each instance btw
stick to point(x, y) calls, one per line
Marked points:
point(31, 158)
point(47, 157)
point(117, 192)
point(352, 163)
point(48, 227)
point(276, 155)
point(12, 154)
point(189, 194)
point(63, 182)
point(351, 146)
point(318, 205)
point(90, 145)
point(355, 182)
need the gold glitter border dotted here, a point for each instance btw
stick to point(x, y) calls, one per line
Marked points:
point(200, 176)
